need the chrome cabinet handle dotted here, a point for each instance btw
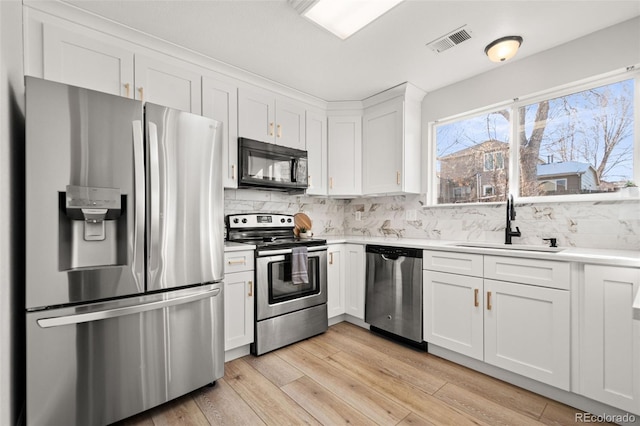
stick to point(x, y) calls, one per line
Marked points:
point(237, 262)
point(270, 129)
point(330, 183)
point(279, 132)
point(331, 258)
point(398, 181)
point(127, 310)
point(233, 171)
point(141, 92)
point(127, 86)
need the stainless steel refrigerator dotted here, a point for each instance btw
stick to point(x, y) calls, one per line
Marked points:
point(124, 262)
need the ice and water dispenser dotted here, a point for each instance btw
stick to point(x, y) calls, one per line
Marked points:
point(92, 227)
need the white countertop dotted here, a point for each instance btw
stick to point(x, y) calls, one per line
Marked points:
point(629, 258)
point(230, 246)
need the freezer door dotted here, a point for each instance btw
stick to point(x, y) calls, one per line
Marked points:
point(84, 195)
point(97, 364)
point(185, 211)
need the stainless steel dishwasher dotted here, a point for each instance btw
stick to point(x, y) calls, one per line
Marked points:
point(394, 291)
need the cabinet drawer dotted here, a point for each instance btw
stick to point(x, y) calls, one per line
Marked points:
point(545, 273)
point(456, 263)
point(237, 261)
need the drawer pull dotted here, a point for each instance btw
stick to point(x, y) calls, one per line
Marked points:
point(279, 133)
point(330, 258)
point(476, 303)
point(488, 301)
point(237, 262)
point(250, 289)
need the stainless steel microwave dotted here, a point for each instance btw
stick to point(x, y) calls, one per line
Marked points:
point(268, 166)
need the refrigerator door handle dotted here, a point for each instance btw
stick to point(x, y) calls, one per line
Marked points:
point(138, 225)
point(127, 310)
point(154, 196)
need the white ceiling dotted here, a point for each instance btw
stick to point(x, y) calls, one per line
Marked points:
point(269, 38)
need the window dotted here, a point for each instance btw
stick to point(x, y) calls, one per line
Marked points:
point(470, 156)
point(573, 143)
point(583, 141)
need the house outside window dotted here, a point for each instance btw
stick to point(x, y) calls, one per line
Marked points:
point(580, 141)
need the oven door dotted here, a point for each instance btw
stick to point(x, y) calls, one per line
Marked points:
point(276, 292)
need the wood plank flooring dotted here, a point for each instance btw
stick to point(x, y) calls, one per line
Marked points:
point(349, 375)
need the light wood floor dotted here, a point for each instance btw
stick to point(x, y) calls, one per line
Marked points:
point(349, 375)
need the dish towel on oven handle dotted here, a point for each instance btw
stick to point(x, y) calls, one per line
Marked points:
point(299, 273)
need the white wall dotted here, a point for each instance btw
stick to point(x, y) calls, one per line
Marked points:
point(11, 214)
point(606, 50)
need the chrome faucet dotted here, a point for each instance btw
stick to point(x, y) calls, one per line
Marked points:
point(511, 215)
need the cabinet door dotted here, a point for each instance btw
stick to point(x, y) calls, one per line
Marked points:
point(453, 312)
point(354, 281)
point(220, 102)
point(80, 60)
point(256, 115)
point(345, 155)
point(382, 148)
point(238, 309)
point(316, 129)
point(610, 337)
point(290, 125)
point(527, 331)
point(168, 84)
point(335, 285)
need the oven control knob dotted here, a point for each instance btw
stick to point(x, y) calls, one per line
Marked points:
point(282, 220)
point(244, 220)
point(235, 220)
point(289, 220)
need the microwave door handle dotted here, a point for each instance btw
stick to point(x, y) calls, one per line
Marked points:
point(294, 170)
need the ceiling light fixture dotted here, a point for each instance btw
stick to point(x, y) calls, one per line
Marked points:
point(503, 48)
point(343, 17)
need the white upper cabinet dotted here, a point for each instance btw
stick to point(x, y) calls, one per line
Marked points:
point(345, 155)
point(220, 102)
point(265, 117)
point(391, 143)
point(169, 84)
point(316, 128)
point(74, 58)
point(95, 61)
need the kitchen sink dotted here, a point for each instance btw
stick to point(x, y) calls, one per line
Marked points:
point(520, 247)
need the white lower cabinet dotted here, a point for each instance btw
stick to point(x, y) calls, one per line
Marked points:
point(527, 331)
point(610, 337)
point(519, 327)
point(453, 312)
point(354, 280)
point(335, 281)
point(238, 299)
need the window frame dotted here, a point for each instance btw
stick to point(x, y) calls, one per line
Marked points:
point(514, 106)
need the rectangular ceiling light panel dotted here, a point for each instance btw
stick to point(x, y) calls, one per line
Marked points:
point(345, 17)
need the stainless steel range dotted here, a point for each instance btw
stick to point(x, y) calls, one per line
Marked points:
point(290, 279)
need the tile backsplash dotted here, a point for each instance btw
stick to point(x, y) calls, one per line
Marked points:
point(603, 224)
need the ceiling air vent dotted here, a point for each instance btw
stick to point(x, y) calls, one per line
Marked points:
point(448, 41)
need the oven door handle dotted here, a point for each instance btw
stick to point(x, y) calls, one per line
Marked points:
point(262, 253)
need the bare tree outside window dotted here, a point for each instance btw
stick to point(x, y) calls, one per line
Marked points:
point(585, 139)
